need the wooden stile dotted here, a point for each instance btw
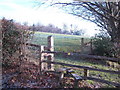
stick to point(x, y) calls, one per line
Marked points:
point(51, 55)
point(46, 62)
point(47, 56)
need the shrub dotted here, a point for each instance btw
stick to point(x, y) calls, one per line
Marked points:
point(10, 40)
point(12, 33)
point(103, 46)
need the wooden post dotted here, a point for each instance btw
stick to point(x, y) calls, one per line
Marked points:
point(25, 48)
point(41, 65)
point(82, 44)
point(1, 57)
point(21, 57)
point(50, 43)
point(91, 47)
point(86, 73)
point(50, 48)
point(1, 38)
point(49, 58)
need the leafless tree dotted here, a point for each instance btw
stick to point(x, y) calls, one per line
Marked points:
point(105, 14)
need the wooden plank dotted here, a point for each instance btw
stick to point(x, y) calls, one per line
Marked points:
point(63, 69)
point(88, 56)
point(70, 71)
point(76, 77)
point(85, 67)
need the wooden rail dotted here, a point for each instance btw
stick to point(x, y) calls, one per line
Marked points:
point(89, 68)
point(81, 55)
point(49, 52)
point(83, 67)
point(88, 56)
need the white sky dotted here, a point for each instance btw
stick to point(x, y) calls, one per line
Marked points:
point(23, 11)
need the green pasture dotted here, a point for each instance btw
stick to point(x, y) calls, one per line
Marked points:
point(62, 42)
point(90, 63)
point(71, 43)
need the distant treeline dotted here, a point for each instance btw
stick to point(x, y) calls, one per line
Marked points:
point(49, 28)
point(52, 29)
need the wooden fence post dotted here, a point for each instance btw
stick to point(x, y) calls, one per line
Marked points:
point(50, 48)
point(1, 57)
point(86, 73)
point(50, 43)
point(91, 46)
point(21, 57)
point(41, 65)
point(82, 44)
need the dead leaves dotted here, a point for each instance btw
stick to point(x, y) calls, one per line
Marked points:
point(30, 78)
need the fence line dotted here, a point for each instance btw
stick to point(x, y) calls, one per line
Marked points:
point(86, 77)
point(81, 55)
point(46, 61)
point(103, 81)
point(88, 56)
point(83, 67)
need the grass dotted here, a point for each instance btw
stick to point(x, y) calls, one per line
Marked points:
point(93, 64)
point(62, 42)
point(70, 43)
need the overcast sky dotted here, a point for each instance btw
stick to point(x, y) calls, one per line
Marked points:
point(27, 11)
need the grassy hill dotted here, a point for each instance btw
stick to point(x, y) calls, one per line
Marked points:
point(62, 42)
point(70, 43)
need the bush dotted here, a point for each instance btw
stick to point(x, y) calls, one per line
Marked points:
point(12, 36)
point(103, 46)
point(10, 40)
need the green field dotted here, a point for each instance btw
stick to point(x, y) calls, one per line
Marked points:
point(91, 63)
point(62, 42)
point(70, 43)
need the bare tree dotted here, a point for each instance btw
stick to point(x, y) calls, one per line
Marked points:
point(105, 14)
